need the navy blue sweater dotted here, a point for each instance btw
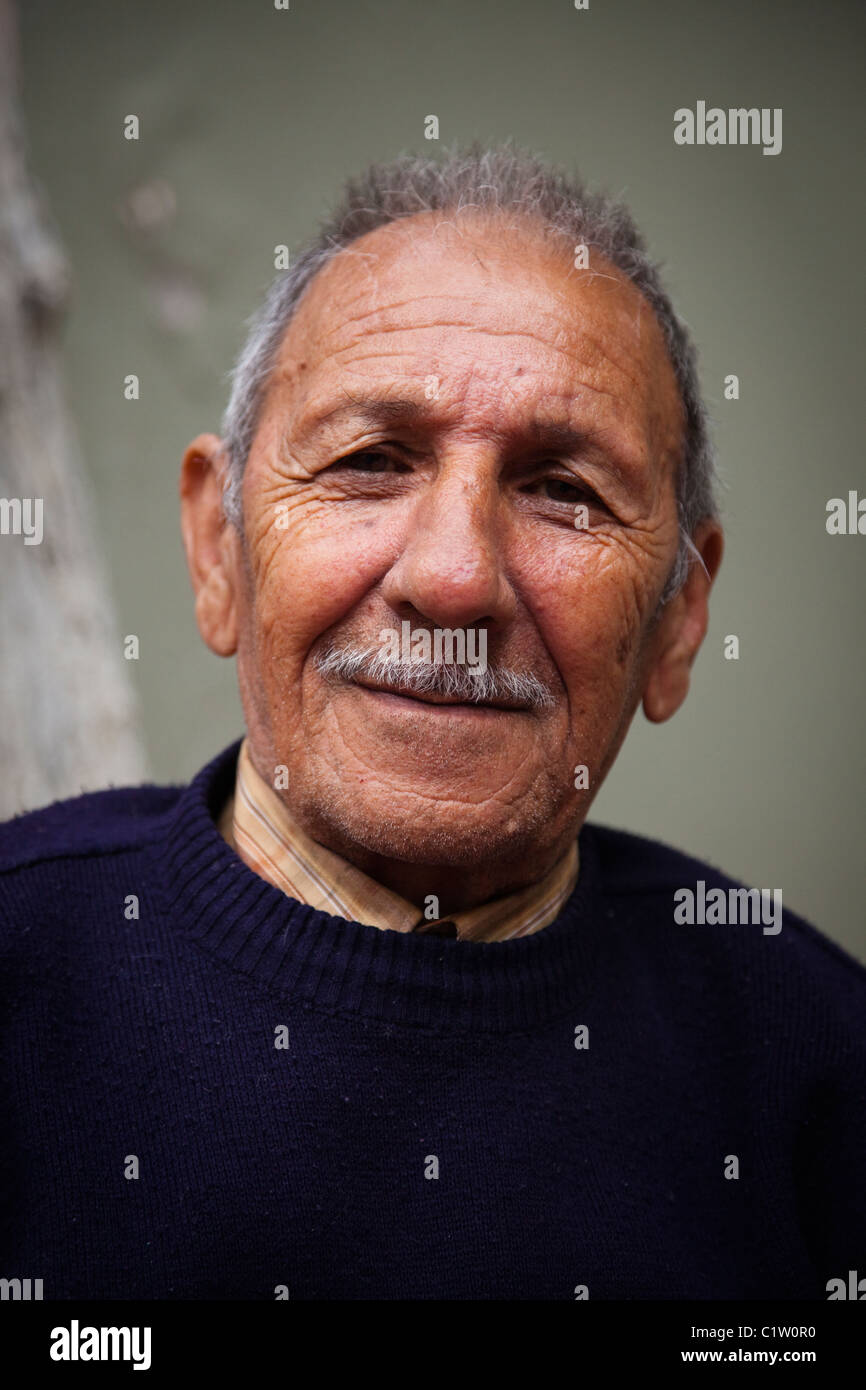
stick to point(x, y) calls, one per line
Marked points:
point(230, 1095)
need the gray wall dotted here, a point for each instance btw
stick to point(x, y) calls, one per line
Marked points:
point(249, 120)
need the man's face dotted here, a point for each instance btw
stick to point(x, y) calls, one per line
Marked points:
point(445, 399)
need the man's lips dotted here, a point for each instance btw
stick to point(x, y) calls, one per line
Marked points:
point(430, 698)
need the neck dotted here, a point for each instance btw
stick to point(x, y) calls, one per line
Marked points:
point(457, 887)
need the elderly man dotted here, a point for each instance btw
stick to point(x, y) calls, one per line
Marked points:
point(368, 1010)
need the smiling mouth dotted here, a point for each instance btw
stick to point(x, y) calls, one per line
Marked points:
point(429, 698)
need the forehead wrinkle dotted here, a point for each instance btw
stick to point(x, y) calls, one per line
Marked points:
point(563, 325)
point(575, 342)
point(554, 288)
point(521, 233)
point(471, 323)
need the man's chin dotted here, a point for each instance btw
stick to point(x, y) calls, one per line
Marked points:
point(444, 833)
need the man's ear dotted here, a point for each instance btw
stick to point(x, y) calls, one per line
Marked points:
point(212, 544)
point(681, 629)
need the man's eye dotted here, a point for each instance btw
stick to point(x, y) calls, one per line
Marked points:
point(370, 461)
point(562, 490)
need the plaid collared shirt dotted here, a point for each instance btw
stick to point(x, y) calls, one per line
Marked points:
point(258, 825)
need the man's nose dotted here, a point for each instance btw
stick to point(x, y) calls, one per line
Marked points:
point(451, 569)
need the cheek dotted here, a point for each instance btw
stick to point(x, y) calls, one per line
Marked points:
point(311, 567)
point(590, 603)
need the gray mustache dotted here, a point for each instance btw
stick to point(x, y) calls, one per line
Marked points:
point(496, 684)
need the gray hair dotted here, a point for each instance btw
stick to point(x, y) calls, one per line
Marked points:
point(503, 179)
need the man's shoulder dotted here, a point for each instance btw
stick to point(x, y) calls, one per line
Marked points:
point(113, 821)
point(636, 869)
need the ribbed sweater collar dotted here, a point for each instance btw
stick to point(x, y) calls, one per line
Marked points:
point(330, 964)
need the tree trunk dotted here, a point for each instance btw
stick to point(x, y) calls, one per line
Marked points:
point(67, 708)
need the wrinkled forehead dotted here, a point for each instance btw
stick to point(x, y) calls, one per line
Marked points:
point(483, 303)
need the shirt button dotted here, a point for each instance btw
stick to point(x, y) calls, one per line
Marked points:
point(443, 928)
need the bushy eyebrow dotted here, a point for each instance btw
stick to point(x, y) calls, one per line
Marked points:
point(558, 438)
point(368, 410)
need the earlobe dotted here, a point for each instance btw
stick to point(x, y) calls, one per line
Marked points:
point(667, 683)
point(682, 629)
point(211, 544)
